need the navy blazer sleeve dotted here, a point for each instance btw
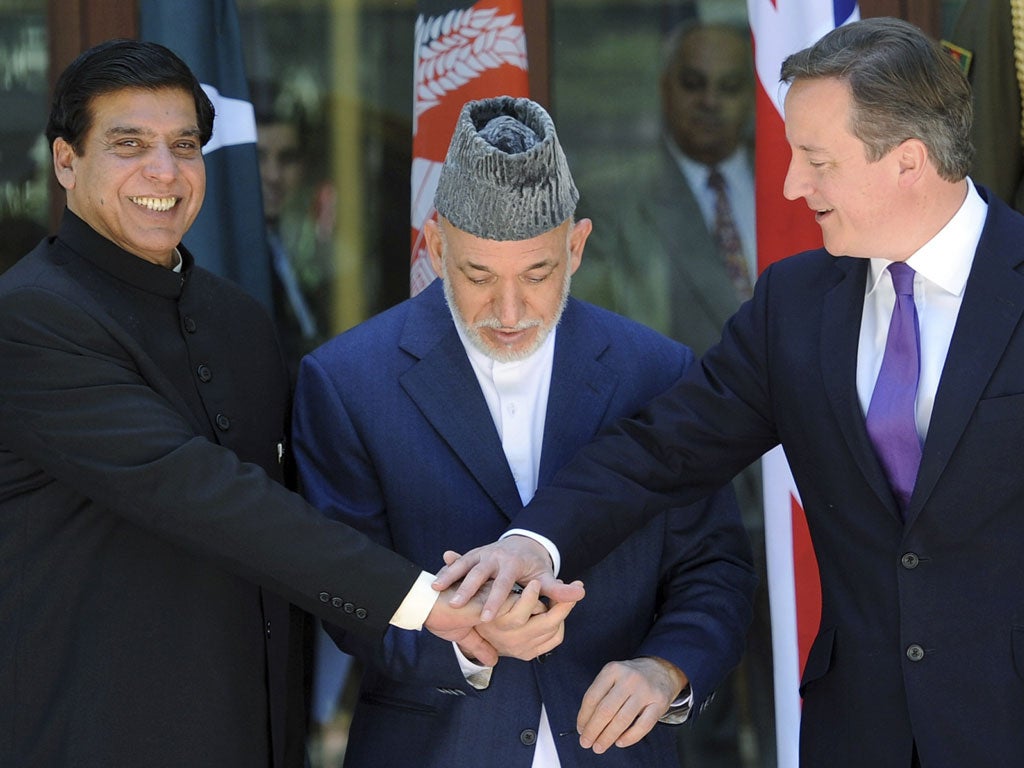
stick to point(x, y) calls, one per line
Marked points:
point(689, 441)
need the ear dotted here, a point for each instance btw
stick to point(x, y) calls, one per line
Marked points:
point(64, 163)
point(913, 160)
point(432, 238)
point(577, 239)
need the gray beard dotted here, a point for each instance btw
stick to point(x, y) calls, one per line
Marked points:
point(472, 332)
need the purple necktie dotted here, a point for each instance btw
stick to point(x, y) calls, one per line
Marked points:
point(891, 419)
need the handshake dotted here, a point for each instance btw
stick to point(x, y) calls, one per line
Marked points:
point(485, 611)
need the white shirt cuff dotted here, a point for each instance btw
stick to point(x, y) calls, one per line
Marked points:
point(417, 605)
point(679, 710)
point(477, 676)
point(556, 560)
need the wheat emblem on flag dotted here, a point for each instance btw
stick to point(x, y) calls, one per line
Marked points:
point(455, 48)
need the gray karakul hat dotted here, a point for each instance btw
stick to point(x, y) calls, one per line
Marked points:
point(505, 176)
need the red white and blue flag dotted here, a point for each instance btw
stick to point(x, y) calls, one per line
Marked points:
point(464, 51)
point(779, 28)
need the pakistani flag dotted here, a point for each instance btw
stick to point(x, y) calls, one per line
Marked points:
point(228, 235)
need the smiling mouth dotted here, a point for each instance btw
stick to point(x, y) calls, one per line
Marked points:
point(159, 204)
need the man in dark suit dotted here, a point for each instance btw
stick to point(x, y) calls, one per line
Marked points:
point(148, 552)
point(492, 387)
point(912, 312)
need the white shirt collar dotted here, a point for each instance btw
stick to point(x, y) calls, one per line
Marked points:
point(946, 259)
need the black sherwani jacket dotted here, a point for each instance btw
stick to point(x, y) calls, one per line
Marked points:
point(148, 552)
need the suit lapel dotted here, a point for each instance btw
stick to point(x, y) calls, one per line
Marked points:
point(991, 310)
point(840, 335)
point(444, 388)
point(581, 388)
point(680, 224)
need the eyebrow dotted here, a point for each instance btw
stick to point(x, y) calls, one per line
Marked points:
point(130, 130)
point(538, 265)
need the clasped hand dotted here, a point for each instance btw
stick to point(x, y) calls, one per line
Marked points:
point(521, 625)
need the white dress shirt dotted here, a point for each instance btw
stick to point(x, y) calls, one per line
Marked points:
point(942, 266)
point(517, 397)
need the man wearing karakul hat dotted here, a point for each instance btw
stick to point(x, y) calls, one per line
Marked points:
point(494, 377)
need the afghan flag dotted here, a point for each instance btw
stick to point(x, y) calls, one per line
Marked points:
point(464, 51)
point(228, 237)
point(779, 28)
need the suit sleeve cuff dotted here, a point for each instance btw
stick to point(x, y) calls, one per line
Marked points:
point(417, 605)
point(556, 560)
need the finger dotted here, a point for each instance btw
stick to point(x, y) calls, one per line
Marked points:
point(476, 647)
point(516, 610)
point(647, 719)
point(503, 583)
point(617, 725)
point(472, 583)
point(455, 570)
point(560, 591)
point(450, 557)
point(592, 699)
point(553, 642)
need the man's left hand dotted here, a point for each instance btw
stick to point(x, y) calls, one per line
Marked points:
point(625, 701)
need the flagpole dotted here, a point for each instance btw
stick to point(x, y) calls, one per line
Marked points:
point(349, 238)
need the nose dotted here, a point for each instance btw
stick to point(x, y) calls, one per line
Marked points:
point(796, 184)
point(508, 304)
point(161, 163)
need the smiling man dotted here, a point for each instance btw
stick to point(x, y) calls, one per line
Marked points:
point(148, 549)
point(890, 367)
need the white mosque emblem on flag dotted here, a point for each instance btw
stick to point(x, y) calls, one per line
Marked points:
point(234, 123)
point(453, 49)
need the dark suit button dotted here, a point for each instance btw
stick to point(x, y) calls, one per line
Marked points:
point(337, 602)
point(223, 422)
point(528, 737)
point(189, 324)
point(360, 613)
point(204, 373)
point(910, 561)
point(325, 597)
point(915, 652)
point(349, 608)
point(268, 629)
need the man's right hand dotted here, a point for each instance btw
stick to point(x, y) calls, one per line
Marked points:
point(502, 564)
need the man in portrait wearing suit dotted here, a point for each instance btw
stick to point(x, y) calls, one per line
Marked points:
point(154, 569)
point(433, 423)
point(890, 367)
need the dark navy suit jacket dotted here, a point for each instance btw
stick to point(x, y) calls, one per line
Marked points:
point(393, 435)
point(922, 629)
